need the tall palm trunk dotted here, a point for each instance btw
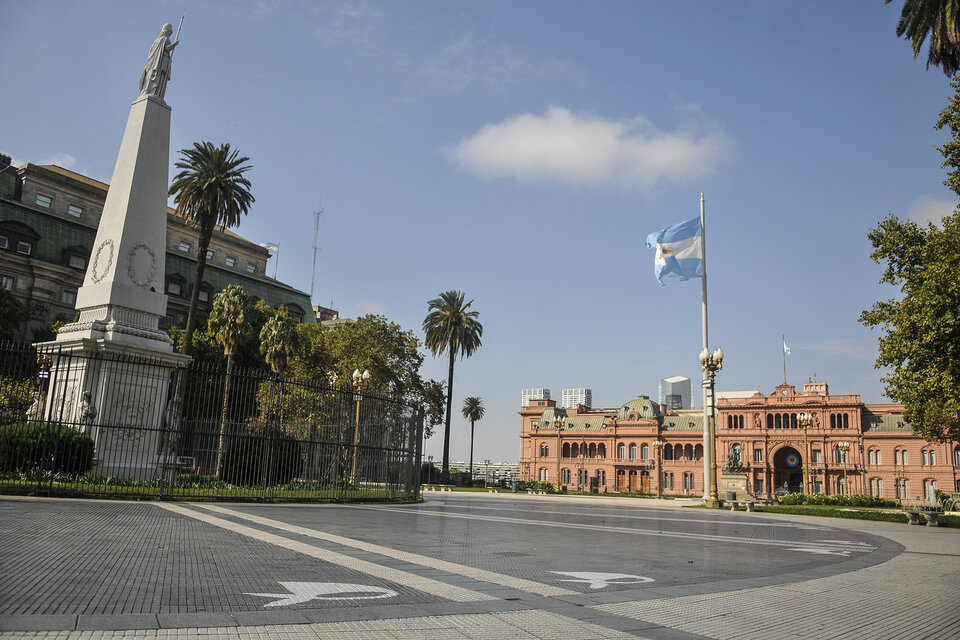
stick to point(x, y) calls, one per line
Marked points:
point(445, 472)
point(203, 244)
point(224, 412)
point(471, 452)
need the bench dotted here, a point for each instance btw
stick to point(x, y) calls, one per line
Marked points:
point(913, 517)
point(492, 490)
point(733, 504)
point(749, 505)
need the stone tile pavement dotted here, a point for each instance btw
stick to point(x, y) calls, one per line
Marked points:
point(911, 593)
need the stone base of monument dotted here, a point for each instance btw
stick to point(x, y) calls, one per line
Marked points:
point(119, 396)
point(733, 483)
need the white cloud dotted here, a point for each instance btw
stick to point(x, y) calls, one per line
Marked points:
point(588, 150)
point(928, 209)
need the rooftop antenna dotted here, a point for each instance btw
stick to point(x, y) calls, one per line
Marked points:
point(316, 247)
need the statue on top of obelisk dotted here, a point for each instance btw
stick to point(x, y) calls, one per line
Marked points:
point(153, 80)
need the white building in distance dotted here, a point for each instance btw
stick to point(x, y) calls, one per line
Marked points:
point(571, 398)
point(526, 395)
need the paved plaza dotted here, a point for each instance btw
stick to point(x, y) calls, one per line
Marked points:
point(467, 566)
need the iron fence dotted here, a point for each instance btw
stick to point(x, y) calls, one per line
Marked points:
point(88, 422)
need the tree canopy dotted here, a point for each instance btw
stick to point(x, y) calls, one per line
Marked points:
point(936, 19)
point(921, 341)
point(209, 191)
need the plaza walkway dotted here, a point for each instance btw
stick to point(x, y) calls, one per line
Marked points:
point(467, 566)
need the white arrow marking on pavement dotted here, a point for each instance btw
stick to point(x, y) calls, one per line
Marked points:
point(301, 592)
point(601, 580)
point(846, 542)
point(825, 552)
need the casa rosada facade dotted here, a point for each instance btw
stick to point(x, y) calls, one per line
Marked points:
point(845, 447)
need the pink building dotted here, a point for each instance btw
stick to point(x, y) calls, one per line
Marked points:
point(844, 446)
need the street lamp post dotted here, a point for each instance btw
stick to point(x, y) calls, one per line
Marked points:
point(844, 448)
point(558, 425)
point(805, 419)
point(360, 382)
point(711, 363)
point(658, 445)
point(430, 472)
point(486, 472)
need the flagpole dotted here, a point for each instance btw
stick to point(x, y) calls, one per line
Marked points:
point(707, 439)
point(783, 348)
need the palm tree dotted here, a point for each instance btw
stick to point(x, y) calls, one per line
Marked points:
point(449, 326)
point(473, 411)
point(210, 191)
point(278, 340)
point(226, 323)
point(938, 18)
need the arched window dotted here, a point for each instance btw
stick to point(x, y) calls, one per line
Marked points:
point(923, 458)
point(544, 475)
point(633, 451)
point(667, 452)
point(833, 421)
point(566, 450)
point(846, 421)
point(621, 451)
point(879, 457)
point(698, 452)
point(729, 422)
point(793, 421)
point(778, 422)
point(871, 457)
point(592, 450)
point(602, 450)
point(644, 451)
point(544, 451)
point(933, 457)
point(688, 452)
point(677, 452)
point(769, 421)
point(956, 455)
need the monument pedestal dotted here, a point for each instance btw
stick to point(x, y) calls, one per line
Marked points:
point(735, 483)
point(111, 370)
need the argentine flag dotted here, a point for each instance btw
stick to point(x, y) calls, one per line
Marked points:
point(679, 250)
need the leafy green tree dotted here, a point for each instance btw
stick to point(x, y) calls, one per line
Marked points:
point(278, 340)
point(210, 191)
point(450, 326)
point(12, 315)
point(433, 399)
point(473, 411)
point(938, 19)
point(921, 341)
point(372, 343)
point(227, 324)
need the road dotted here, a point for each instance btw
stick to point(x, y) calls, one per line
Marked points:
point(468, 565)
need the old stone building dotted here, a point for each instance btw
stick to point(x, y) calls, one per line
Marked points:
point(48, 222)
point(790, 440)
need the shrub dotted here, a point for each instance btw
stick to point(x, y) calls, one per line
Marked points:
point(16, 396)
point(836, 500)
point(267, 456)
point(49, 446)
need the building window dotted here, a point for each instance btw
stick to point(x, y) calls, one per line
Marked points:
point(7, 282)
point(621, 451)
point(564, 476)
point(668, 481)
point(956, 455)
point(203, 295)
point(251, 268)
point(26, 248)
point(44, 201)
point(231, 261)
point(900, 457)
point(77, 262)
point(758, 485)
point(633, 451)
point(4, 242)
point(75, 210)
point(68, 297)
point(602, 451)
point(174, 288)
point(758, 455)
point(667, 452)
point(816, 456)
point(698, 452)
point(929, 489)
point(210, 254)
point(876, 487)
point(544, 451)
point(903, 489)
point(644, 451)
point(544, 475)
point(185, 246)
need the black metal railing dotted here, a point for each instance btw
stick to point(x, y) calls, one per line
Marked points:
point(115, 424)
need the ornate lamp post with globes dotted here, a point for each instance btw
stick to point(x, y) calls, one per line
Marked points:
point(360, 382)
point(711, 363)
point(805, 419)
point(658, 445)
point(844, 448)
point(558, 422)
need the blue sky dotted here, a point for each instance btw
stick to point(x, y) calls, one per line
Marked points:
point(521, 152)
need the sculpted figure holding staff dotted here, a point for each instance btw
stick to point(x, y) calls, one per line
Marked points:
point(153, 80)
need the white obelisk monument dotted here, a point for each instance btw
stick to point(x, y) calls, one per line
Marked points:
point(122, 301)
